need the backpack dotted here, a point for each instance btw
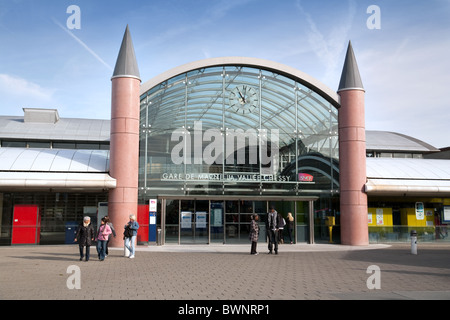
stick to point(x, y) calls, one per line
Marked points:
point(128, 233)
point(282, 222)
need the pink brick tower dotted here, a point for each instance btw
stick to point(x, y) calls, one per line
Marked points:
point(352, 155)
point(124, 145)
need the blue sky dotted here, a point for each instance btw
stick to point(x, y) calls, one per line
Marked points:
point(404, 65)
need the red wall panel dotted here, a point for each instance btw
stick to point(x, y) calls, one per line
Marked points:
point(26, 225)
point(143, 220)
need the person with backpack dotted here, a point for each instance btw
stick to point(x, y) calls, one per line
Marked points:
point(130, 234)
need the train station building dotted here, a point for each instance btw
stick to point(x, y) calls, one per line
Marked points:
point(195, 151)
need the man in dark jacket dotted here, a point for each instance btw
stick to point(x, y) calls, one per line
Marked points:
point(85, 235)
point(272, 229)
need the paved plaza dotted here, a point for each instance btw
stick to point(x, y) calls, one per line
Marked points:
point(227, 272)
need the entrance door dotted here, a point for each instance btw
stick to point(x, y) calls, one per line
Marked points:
point(302, 222)
point(227, 221)
point(194, 222)
point(217, 217)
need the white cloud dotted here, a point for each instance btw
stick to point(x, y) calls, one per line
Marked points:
point(329, 47)
point(17, 87)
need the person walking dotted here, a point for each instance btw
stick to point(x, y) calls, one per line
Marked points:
point(113, 233)
point(102, 238)
point(290, 226)
point(254, 233)
point(272, 230)
point(84, 236)
point(130, 239)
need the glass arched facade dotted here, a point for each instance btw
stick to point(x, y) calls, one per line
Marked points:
point(236, 133)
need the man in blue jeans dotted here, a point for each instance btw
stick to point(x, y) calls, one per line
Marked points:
point(130, 241)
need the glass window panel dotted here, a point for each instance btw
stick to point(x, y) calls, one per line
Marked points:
point(231, 206)
point(63, 145)
point(14, 144)
point(88, 146)
point(246, 207)
point(44, 145)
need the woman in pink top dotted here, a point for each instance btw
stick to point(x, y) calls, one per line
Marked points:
point(102, 238)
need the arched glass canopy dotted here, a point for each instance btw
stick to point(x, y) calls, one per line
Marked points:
point(237, 125)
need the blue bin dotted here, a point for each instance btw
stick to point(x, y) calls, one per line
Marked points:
point(71, 231)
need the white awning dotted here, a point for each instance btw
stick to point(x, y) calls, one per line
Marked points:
point(408, 177)
point(54, 160)
point(394, 187)
point(56, 181)
point(55, 170)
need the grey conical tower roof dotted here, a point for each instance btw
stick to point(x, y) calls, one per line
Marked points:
point(126, 64)
point(350, 78)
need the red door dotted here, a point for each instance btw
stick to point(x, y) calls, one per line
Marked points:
point(26, 225)
point(142, 219)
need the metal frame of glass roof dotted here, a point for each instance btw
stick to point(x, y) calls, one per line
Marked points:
point(302, 111)
point(289, 100)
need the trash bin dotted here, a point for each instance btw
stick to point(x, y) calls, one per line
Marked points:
point(413, 242)
point(158, 238)
point(71, 231)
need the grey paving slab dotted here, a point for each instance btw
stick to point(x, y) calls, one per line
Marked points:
point(227, 272)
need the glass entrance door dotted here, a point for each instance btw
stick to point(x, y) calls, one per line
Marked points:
point(228, 221)
point(216, 217)
point(194, 222)
point(302, 229)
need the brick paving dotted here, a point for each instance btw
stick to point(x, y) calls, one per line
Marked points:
point(227, 272)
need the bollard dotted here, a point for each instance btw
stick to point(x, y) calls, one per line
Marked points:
point(158, 239)
point(330, 229)
point(413, 242)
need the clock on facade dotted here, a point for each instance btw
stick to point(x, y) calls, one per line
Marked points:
point(244, 99)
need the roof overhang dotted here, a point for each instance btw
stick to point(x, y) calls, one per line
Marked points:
point(402, 187)
point(56, 181)
point(408, 177)
point(53, 160)
point(303, 78)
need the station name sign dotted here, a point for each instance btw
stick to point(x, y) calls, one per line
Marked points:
point(219, 177)
point(235, 177)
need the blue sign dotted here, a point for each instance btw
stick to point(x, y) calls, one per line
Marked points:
point(152, 227)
